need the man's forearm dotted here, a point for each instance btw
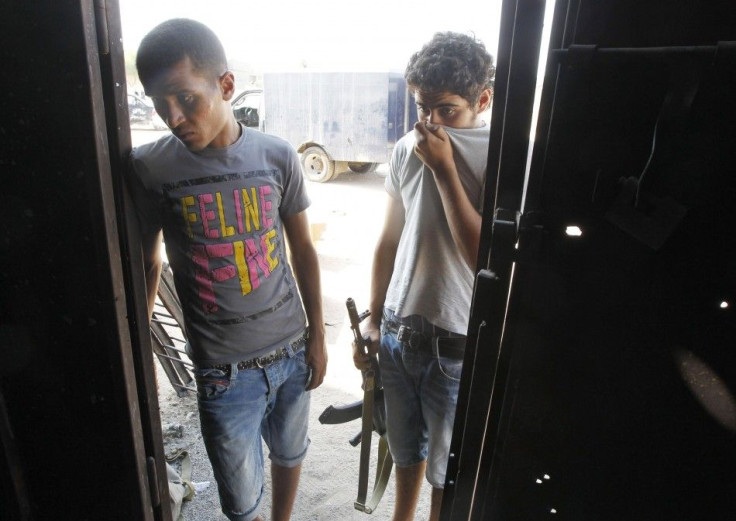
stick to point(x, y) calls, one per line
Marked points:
point(463, 219)
point(305, 264)
point(306, 271)
point(434, 149)
point(384, 257)
point(152, 265)
point(153, 276)
point(383, 266)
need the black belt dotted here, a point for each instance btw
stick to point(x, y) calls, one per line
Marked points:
point(444, 346)
point(261, 361)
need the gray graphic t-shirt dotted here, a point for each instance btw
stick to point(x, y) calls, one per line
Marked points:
point(221, 210)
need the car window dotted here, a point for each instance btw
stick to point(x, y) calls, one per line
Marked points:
point(249, 100)
point(253, 100)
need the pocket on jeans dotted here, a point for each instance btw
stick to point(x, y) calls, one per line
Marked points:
point(450, 368)
point(301, 356)
point(211, 383)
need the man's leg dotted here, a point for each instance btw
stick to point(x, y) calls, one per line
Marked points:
point(439, 400)
point(233, 440)
point(408, 485)
point(405, 428)
point(285, 430)
point(284, 483)
point(434, 513)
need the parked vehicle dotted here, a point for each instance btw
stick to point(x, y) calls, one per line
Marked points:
point(247, 107)
point(142, 114)
point(336, 121)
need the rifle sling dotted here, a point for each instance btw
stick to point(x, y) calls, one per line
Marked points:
point(369, 381)
point(383, 472)
point(384, 463)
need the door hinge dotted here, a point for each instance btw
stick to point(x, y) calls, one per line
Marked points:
point(519, 237)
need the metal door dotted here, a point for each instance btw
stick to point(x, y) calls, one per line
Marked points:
point(599, 382)
point(81, 434)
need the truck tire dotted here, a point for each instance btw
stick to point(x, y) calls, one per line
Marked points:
point(362, 168)
point(317, 165)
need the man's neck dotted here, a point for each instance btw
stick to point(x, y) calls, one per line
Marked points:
point(230, 134)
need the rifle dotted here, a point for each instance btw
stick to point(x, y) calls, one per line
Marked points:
point(372, 413)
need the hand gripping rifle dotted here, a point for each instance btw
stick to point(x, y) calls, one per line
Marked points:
point(371, 410)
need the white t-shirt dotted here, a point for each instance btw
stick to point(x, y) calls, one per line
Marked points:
point(430, 277)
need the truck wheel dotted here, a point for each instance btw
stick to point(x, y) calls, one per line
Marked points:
point(317, 165)
point(362, 168)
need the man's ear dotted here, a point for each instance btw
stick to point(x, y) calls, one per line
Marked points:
point(227, 85)
point(484, 100)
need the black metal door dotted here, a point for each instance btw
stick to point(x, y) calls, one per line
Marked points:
point(602, 330)
point(80, 429)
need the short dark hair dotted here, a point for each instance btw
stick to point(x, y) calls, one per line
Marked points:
point(174, 40)
point(452, 62)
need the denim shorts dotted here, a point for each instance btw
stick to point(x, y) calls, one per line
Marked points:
point(420, 391)
point(236, 410)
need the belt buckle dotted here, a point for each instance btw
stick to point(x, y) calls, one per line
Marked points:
point(407, 335)
point(403, 334)
point(267, 360)
point(264, 361)
point(225, 368)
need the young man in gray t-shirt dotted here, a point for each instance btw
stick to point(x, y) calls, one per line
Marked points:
point(424, 262)
point(227, 199)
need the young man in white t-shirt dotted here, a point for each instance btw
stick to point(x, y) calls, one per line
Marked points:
point(424, 262)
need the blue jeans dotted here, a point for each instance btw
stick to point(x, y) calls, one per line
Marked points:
point(420, 391)
point(236, 411)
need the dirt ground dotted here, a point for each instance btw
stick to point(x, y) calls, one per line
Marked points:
point(345, 216)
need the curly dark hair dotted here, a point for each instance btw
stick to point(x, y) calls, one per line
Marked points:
point(452, 62)
point(173, 40)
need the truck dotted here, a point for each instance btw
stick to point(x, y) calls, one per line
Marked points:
point(337, 121)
